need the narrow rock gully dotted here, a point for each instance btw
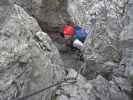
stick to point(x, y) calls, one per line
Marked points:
point(72, 58)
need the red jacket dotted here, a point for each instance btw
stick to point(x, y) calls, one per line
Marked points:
point(69, 30)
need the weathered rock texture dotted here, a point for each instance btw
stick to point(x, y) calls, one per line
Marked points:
point(26, 4)
point(28, 59)
point(92, 12)
point(51, 14)
point(96, 89)
point(126, 38)
point(108, 51)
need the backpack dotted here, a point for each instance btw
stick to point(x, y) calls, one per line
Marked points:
point(80, 33)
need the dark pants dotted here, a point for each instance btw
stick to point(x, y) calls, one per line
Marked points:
point(69, 42)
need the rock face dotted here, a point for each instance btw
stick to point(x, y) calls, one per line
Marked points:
point(28, 59)
point(126, 38)
point(51, 14)
point(88, 12)
point(96, 89)
point(26, 4)
point(108, 51)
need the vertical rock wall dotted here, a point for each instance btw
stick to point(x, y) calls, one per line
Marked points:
point(28, 59)
point(51, 14)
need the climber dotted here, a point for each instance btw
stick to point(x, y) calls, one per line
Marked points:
point(74, 36)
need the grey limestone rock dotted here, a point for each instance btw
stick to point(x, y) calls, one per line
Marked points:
point(96, 89)
point(51, 14)
point(126, 39)
point(28, 59)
